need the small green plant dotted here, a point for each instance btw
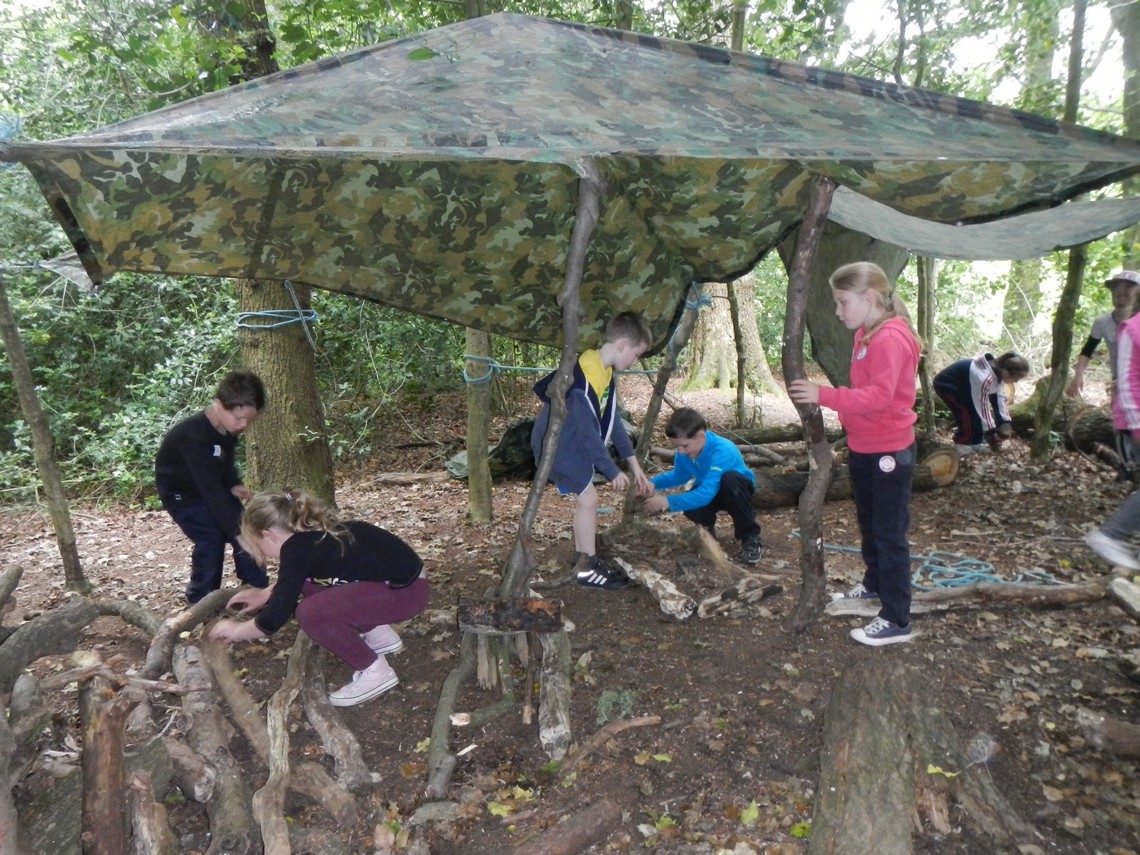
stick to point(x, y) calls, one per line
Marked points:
point(621, 699)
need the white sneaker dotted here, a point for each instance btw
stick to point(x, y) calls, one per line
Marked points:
point(1115, 552)
point(374, 680)
point(383, 640)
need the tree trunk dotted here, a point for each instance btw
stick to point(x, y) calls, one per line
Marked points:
point(890, 758)
point(712, 353)
point(105, 817)
point(479, 378)
point(830, 342)
point(810, 512)
point(927, 280)
point(43, 446)
point(289, 446)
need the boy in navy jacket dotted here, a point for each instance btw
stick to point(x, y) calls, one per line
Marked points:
point(592, 421)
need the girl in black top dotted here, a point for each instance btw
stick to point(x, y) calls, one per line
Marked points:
point(344, 581)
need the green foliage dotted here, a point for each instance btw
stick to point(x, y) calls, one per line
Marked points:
point(615, 703)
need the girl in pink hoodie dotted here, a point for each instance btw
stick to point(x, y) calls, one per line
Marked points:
point(877, 412)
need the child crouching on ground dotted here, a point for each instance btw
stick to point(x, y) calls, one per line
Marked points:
point(345, 582)
point(721, 480)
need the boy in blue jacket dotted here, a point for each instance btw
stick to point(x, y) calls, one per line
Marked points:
point(592, 421)
point(721, 481)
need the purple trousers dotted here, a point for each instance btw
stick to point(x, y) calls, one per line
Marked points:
point(335, 616)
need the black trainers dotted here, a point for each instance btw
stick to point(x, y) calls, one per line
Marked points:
point(751, 550)
point(598, 574)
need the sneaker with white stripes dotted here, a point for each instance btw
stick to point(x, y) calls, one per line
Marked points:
point(858, 592)
point(598, 574)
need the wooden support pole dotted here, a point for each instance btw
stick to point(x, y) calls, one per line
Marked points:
point(813, 591)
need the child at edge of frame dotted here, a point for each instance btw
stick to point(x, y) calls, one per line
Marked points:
point(592, 421)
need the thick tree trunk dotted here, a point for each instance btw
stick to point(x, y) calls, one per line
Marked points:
point(927, 281)
point(288, 446)
point(890, 757)
point(43, 445)
point(712, 353)
point(479, 378)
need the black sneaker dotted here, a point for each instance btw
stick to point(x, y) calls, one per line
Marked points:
point(751, 551)
point(598, 574)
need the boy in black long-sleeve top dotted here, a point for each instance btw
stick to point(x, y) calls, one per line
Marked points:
point(199, 485)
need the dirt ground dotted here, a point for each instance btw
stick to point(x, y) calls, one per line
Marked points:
point(733, 764)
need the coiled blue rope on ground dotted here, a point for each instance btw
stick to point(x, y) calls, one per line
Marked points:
point(951, 570)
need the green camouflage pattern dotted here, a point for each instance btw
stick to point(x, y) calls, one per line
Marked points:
point(439, 173)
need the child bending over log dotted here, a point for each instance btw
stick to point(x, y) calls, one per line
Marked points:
point(721, 481)
point(877, 411)
point(974, 390)
point(345, 582)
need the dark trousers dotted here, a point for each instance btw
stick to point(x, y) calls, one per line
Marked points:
point(968, 428)
point(209, 552)
point(881, 484)
point(734, 497)
point(334, 616)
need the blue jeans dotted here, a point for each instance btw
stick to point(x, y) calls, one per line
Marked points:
point(881, 484)
point(209, 552)
point(734, 497)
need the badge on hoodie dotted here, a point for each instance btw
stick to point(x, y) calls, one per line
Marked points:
point(887, 463)
point(217, 451)
point(862, 352)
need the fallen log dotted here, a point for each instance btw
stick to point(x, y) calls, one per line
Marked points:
point(603, 735)
point(1109, 734)
point(399, 478)
point(746, 592)
point(771, 434)
point(937, 467)
point(9, 821)
point(670, 598)
point(269, 800)
point(339, 741)
point(576, 834)
point(982, 594)
point(554, 694)
point(207, 731)
point(106, 820)
point(158, 655)
point(150, 827)
point(505, 616)
point(309, 779)
point(1126, 593)
point(51, 633)
point(890, 757)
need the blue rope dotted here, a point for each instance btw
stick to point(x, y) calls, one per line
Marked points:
point(493, 367)
point(702, 301)
point(283, 317)
point(950, 570)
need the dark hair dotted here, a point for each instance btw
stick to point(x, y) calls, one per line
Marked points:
point(241, 388)
point(685, 423)
point(1012, 363)
point(628, 326)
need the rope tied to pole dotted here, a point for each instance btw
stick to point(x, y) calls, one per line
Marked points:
point(282, 317)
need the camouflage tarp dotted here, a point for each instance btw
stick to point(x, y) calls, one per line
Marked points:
point(437, 173)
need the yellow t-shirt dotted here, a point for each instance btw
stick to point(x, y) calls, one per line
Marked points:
point(597, 374)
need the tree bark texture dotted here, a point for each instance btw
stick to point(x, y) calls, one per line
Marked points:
point(927, 282)
point(890, 758)
point(150, 828)
point(1040, 445)
point(287, 446)
point(577, 833)
point(830, 341)
point(231, 822)
point(810, 511)
point(591, 187)
point(43, 446)
point(554, 694)
point(9, 822)
point(479, 377)
point(106, 821)
point(339, 741)
point(48, 634)
point(712, 354)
